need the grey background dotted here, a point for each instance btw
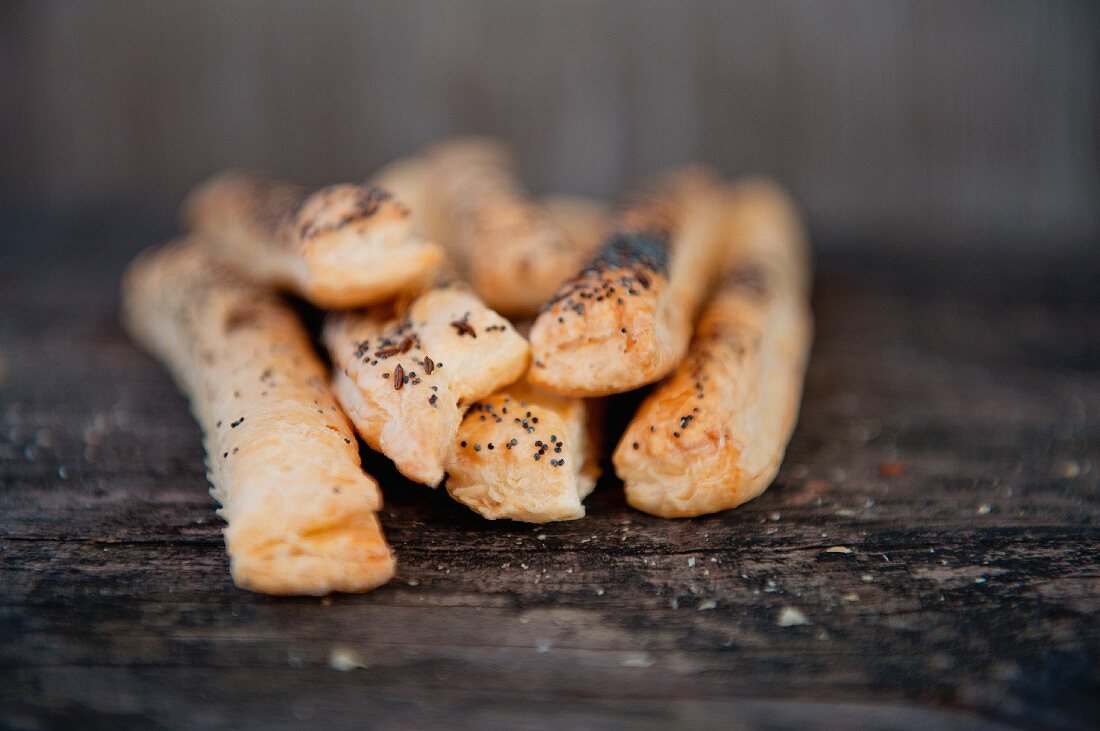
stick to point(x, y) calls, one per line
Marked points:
point(907, 123)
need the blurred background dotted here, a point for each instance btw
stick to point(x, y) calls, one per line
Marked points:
point(939, 124)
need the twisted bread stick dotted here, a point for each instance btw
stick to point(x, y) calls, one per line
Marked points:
point(626, 319)
point(466, 194)
point(714, 434)
point(341, 246)
point(280, 454)
point(525, 454)
point(405, 380)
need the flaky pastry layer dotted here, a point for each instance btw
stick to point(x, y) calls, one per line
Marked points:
point(280, 454)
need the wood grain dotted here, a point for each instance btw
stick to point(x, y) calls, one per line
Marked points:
point(968, 599)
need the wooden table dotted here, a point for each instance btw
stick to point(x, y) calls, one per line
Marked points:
point(926, 559)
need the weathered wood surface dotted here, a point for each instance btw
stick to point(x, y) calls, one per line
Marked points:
point(968, 600)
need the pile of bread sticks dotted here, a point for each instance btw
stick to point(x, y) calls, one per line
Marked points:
point(472, 330)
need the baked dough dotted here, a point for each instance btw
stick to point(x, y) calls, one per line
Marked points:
point(584, 221)
point(713, 435)
point(467, 194)
point(406, 379)
point(280, 454)
point(626, 319)
point(341, 246)
point(525, 454)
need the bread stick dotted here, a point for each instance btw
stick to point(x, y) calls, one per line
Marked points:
point(280, 454)
point(714, 434)
point(509, 248)
point(525, 454)
point(626, 319)
point(510, 481)
point(406, 379)
point(408, 179)
point(341, 246)
point(583, 220)
point(493, 468)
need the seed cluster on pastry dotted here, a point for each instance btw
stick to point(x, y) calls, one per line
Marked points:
point(475, 333)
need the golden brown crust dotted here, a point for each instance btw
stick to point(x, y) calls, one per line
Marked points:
point(626, 319)
point(511, 249)
point(585, 222)
point(341, 246)
point(406, 380)
point(281, 456)
point(714, 434)
point(524, 454)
